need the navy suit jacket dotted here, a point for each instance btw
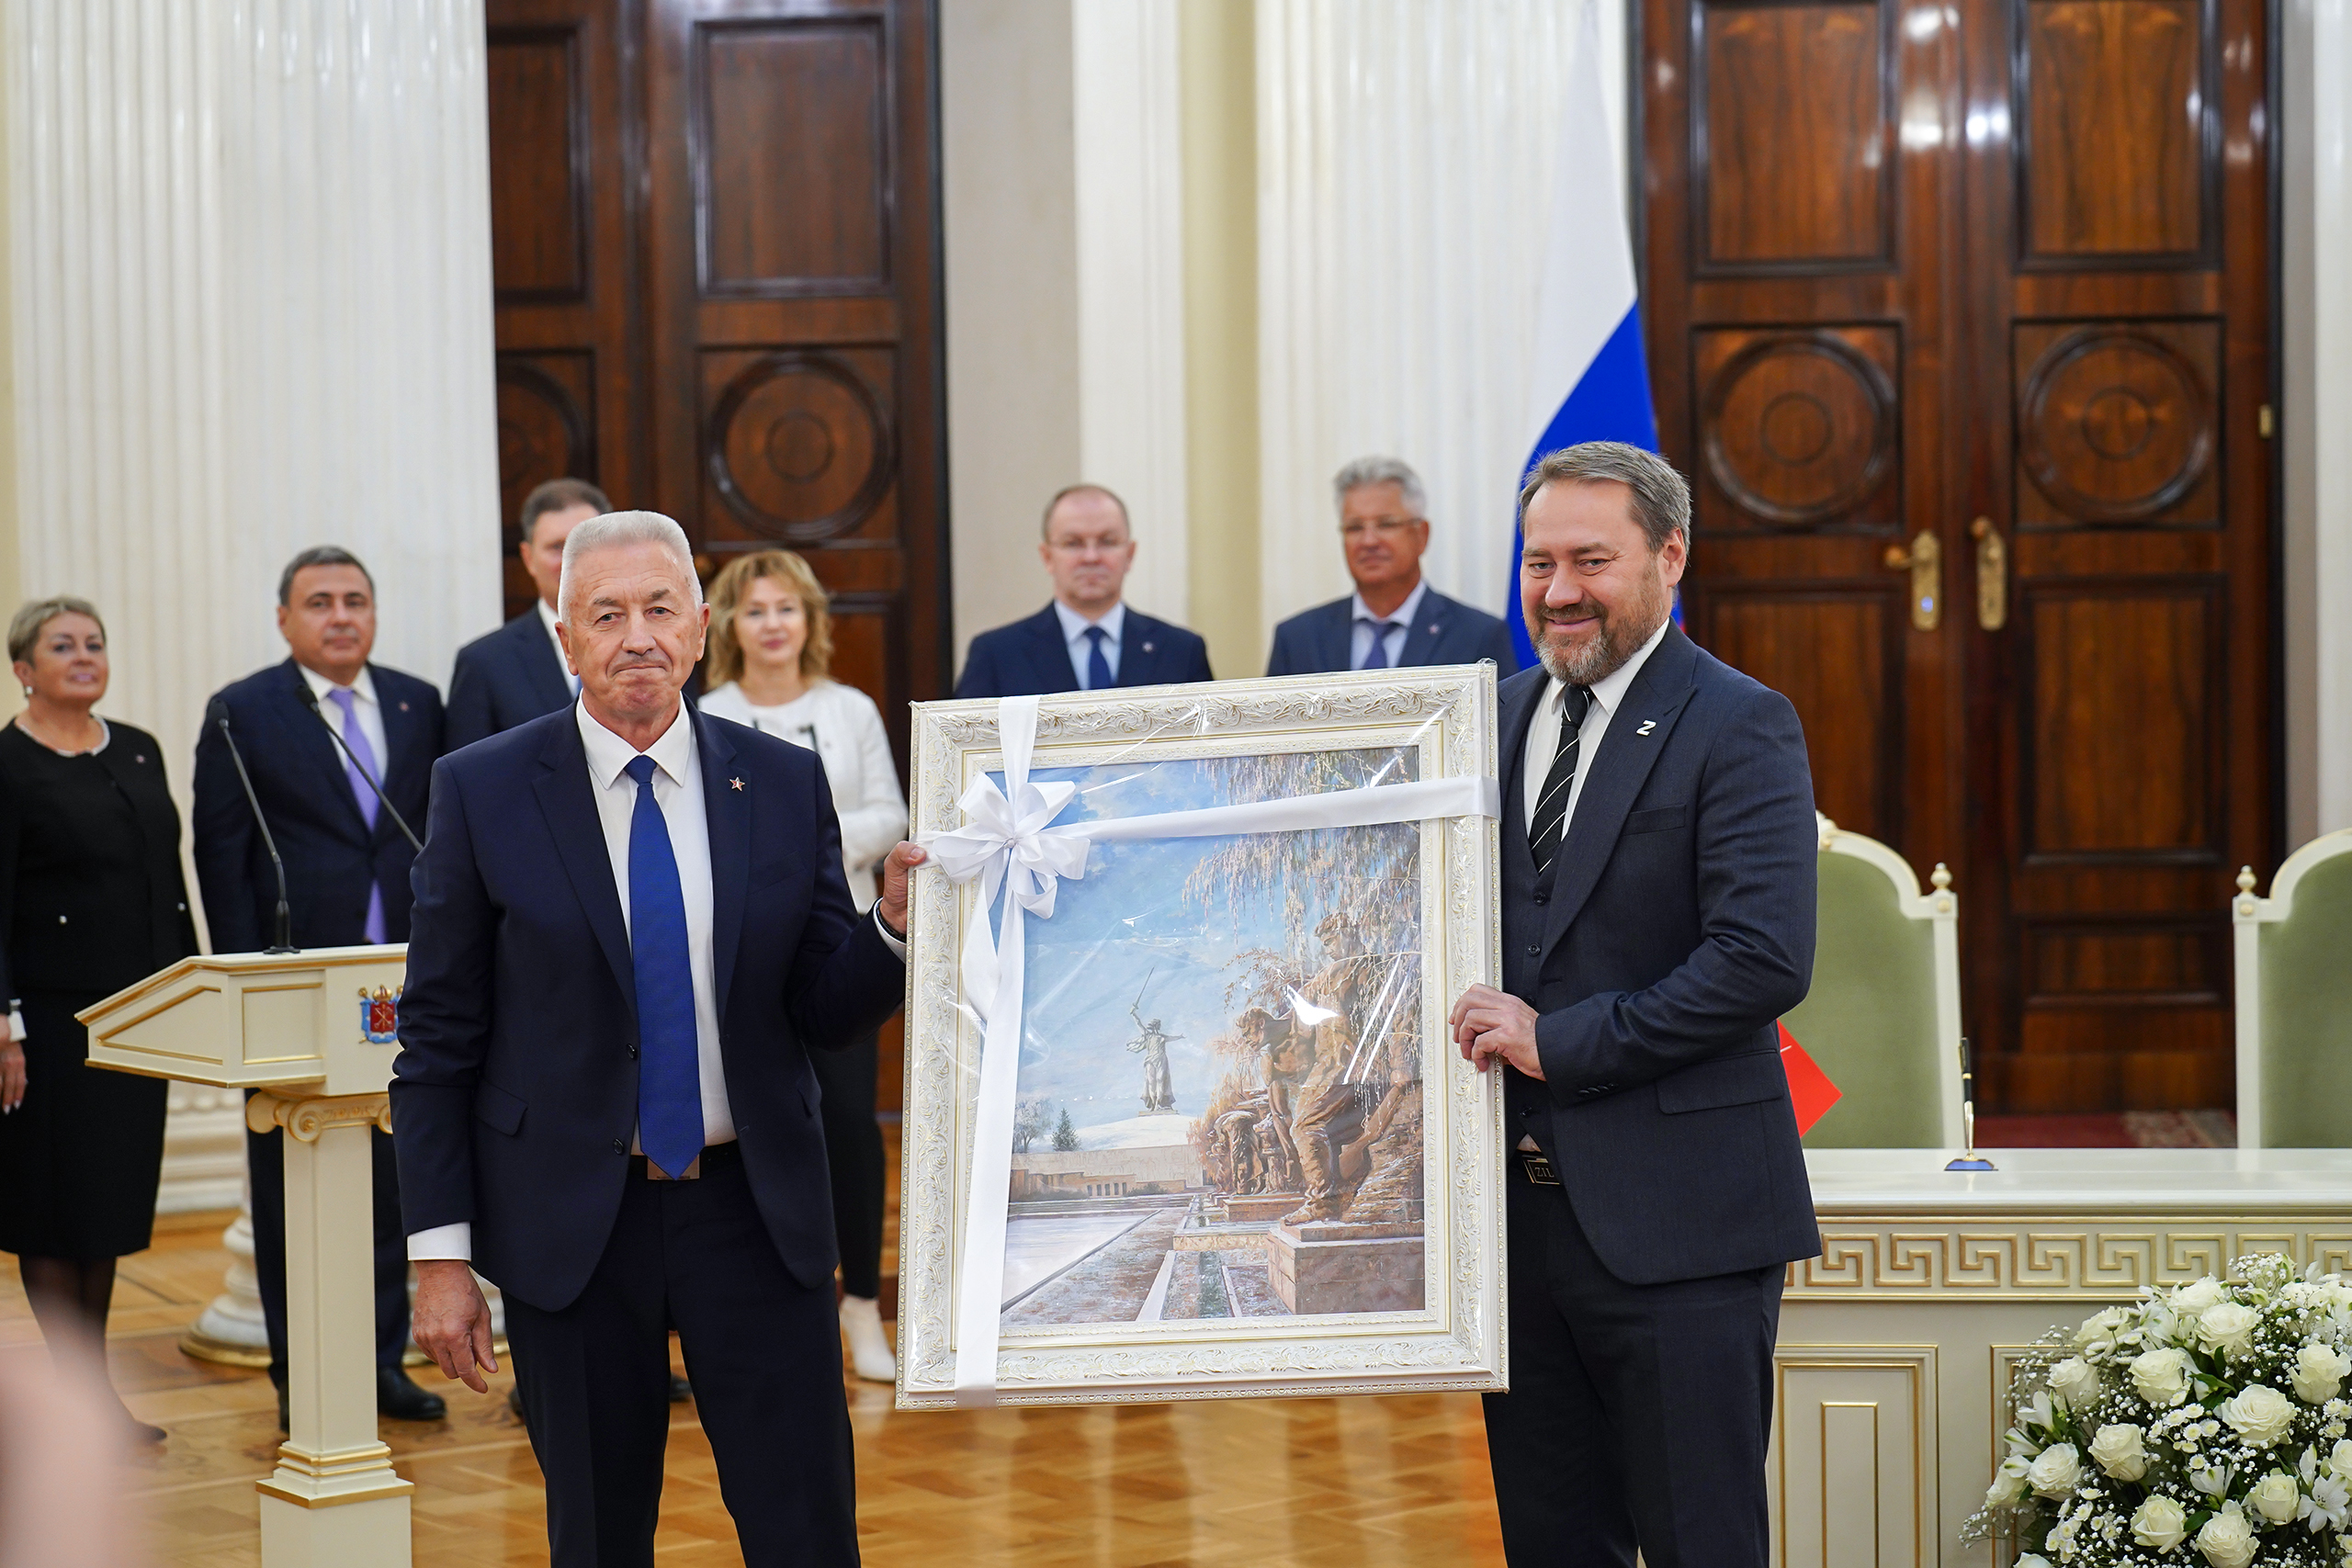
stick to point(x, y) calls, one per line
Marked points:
point(331, 854)
point(515, 1091)
point(505, 678)
point(1322, 640)
point(1674, 927)
point(1030, 659)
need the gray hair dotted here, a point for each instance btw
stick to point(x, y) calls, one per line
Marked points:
point(1661, 500)
point(319, 554)
point(1381, 472)
point(25, 627)
point(614, 529)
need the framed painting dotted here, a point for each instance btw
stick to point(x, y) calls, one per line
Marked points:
point(1182, 1116)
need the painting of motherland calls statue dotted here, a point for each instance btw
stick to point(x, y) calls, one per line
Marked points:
point(1220, 1084)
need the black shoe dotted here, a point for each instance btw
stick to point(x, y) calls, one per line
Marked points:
point(680, 1390)
point(514, 1401)
point(403, 1401)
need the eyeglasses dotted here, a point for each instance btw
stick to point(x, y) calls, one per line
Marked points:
point(1387, 527)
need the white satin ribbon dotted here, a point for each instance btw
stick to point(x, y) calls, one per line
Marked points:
point(1008, 844)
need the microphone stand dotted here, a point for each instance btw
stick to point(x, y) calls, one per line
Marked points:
point(310, 701)
point(285, 918)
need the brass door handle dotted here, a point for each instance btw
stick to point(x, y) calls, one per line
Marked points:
point(1992, 575)
point(1924, 560)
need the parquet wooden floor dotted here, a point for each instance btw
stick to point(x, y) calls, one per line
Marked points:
point(1365, 1483)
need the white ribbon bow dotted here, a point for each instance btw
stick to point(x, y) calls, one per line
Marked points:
point(1008, 842)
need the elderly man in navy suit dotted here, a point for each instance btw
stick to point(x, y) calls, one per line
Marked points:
point(515, 673)
point(1658, 919)
point(346, 869)
point(1087, 639)
point(631, 929)
point(1394, 619)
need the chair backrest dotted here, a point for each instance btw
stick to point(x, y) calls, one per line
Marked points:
point(1883, 1019)
point(2294, 1000)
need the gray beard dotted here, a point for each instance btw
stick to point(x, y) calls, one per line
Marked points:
point(1606, 654)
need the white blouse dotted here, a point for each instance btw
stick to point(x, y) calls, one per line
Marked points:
point(842, 725)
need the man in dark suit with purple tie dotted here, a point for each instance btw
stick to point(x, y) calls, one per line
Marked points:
point(1088, 638)
point(1657, 920)
point(630, 929)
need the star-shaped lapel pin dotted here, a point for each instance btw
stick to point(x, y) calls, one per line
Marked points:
point(736, 783)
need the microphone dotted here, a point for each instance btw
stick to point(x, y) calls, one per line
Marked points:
point(310, 701)
point(219, 714)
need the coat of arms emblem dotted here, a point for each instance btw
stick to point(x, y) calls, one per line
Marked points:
point(379, 1015)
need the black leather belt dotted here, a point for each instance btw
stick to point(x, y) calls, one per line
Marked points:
point(714, 1156)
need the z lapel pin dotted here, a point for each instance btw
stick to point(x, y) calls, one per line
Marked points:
point(1647, 725)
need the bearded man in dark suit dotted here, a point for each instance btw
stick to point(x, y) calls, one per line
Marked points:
point(631, 928)
point(1088, 638)
point(1657, 920)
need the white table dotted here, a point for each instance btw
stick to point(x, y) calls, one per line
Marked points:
point(1896, 1343)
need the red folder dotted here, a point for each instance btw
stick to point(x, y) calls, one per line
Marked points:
point(1809, 1088)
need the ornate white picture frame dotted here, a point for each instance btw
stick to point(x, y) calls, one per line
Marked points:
point(1238, 1154)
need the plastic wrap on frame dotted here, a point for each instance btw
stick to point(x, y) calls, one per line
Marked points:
point(1243, 1114)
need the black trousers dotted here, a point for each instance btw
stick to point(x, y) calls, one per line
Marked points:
point(1637, 1415)
point(763, 1353)
point(266, 1165)
point(853, 1159)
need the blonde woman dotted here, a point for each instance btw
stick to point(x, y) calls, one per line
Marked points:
point(770, 653)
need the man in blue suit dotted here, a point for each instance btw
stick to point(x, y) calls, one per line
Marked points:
point(1394, 619)
point(346, 869)
point(1087, 639)
point(1658, 919)
point(631, 928)
point(515, 673)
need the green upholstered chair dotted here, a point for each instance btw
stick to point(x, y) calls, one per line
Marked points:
point(2294, 1002)
point(1883, 1019)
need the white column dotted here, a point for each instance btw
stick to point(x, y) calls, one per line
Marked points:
point(2315, 127)
point(251, 303)
point(1403, 148)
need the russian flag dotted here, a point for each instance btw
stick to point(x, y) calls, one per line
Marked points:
point(1590, 381)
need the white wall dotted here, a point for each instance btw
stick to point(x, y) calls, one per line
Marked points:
point(2315, 126)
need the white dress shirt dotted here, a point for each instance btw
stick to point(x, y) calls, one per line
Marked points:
point(1543, 729)
point(1400, 627)
point(548, 619)
point(1074, 628)
point(842, 725)
point(370, 712)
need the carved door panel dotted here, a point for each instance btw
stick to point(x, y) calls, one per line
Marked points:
point(793, 293)
point(564, 262)
point(1959, 318)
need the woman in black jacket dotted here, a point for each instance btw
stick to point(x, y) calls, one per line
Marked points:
point(91, 900)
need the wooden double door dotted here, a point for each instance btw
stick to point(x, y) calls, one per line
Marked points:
point(1960, 316)
point(714, 228)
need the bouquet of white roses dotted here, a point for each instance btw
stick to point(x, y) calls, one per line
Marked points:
point(2207, 1422)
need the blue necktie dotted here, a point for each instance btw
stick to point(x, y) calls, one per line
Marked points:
point(1098, 669)
point(669, 1077)
point(1377, 656)
point(359, 766)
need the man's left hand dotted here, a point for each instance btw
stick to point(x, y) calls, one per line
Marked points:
point(1489, 1023)
point(902, 859)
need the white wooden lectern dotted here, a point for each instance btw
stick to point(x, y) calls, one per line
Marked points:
point(314, 1032)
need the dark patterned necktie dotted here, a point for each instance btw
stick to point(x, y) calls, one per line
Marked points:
point(1376, 657)
point(1551, 806)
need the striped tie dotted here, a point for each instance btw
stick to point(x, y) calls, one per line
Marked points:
point(1551, 806)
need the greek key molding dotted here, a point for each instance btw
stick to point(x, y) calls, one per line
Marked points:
point(305, 1120)
point(1961, 1259)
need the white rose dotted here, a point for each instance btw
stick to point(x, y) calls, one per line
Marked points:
point(2119, 1452)
point(2276, 1497)
point(2192, 1299)
point(2075, 1380)
point(2160, 1377)
point(2339, 1458)
point(2008, 1486)
point(2159, 1522)
point(2259, 1414)
point(2031, 1559)
point(2319, 1373)
point(2228, 1327)
point(2227, 1540)
point(2056, 1472)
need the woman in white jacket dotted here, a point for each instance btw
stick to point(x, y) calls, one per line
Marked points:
point(771, 649)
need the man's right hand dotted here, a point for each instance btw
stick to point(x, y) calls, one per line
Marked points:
point(452, 1322)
